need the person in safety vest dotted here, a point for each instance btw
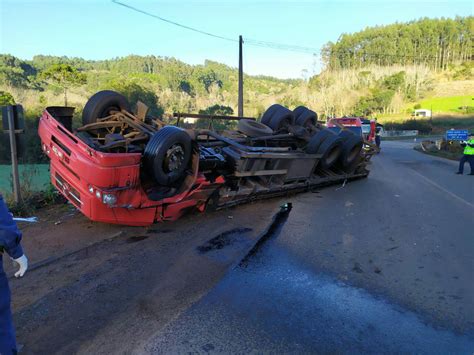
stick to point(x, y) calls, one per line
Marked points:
point(468, 155)
point(10, 238)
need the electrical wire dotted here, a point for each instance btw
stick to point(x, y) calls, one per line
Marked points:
point(173, 22)
point(346, 54)
point(252, 42)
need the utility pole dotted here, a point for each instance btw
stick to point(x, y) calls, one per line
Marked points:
point(241, 80)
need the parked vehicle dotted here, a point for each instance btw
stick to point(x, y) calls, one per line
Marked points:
point(129, 168)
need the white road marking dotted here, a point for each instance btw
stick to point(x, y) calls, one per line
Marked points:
point(443, 189)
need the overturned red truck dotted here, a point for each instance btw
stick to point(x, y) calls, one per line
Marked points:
point(130, 168)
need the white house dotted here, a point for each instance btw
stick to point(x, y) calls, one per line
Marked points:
point(422, 113)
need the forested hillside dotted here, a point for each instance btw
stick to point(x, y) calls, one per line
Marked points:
point(435, 43)
point(381, 71)
point(167, 84)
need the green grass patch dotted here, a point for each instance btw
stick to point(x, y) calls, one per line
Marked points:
point(453, 104)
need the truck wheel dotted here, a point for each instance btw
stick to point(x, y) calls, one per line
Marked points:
point(267, 116)
point(253, 128)
point(317, 139)
point(349, 169)
point(281, 119)
point(101, 103)
point(167, 155)
point(298, 111)
point(306, 118)
point(331, 150)
point(327, 143)
point(345, 134)
point(351, 150)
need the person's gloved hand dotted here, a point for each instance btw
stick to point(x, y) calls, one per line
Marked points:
point(22, 262)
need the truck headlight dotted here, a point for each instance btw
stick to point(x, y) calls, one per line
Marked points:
point(98, 194)
point(109, 199)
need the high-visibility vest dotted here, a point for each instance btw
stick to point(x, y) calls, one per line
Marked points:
point(469, 150)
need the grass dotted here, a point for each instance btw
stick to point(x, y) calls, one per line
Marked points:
point(439, 124)
point(447, 104)
point(35, 177)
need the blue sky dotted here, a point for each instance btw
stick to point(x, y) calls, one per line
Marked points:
point(100, 29)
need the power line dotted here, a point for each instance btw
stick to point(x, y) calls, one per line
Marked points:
point(279, 46)
point(252, 42)
point(173, 22)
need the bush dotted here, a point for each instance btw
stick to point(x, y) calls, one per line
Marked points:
point(6, 98)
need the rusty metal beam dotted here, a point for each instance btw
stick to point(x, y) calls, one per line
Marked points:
point(212, 117)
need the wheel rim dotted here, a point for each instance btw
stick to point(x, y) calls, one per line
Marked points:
point(174, 158)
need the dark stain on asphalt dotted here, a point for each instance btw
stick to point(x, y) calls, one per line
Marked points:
point(222, 240)
point(136, 238)
point(392, 248)
point(158, 231)
point(357, 268)
point(208, 347)
point(272, 231)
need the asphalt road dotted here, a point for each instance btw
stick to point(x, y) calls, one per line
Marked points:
point(383, 264)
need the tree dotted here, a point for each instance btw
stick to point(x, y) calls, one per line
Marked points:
point(65, 76)
point(6, 98)
point(134, 92)
point(217, 110)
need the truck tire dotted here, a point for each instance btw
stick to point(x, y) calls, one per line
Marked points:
point(253, 128)
point(167, 155)
point(267, 116)
point(306, 118)
point(101, 103)
point(317, 139)
point(281, 118)
point(351, 150)
point(345, 134)
point(327, 143)
point(349, 169)
point(331, 150)
point(298, 111)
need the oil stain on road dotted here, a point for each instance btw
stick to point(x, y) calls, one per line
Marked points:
point(272, 303)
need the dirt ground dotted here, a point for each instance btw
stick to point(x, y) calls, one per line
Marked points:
point(89, 282)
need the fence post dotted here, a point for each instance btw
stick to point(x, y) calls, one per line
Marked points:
point(15, 175)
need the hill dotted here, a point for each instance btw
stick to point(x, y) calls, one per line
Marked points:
point(368, 84)
point(436, 43)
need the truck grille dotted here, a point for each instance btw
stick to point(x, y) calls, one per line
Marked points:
point(70, 192)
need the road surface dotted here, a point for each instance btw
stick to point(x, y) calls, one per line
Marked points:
point(383, 264)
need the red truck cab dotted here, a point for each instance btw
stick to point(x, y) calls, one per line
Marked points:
point(106, 187)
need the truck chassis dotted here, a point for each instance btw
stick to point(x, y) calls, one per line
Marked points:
point(106, 170)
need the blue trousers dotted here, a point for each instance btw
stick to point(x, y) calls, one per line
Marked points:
point(7, 333)
point(466, 158)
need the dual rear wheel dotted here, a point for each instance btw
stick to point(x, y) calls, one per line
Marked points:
point(168, 152)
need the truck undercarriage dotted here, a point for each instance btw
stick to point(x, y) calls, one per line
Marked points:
point(130, 168)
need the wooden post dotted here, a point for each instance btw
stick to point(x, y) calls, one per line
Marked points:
point(241, 80)
point(15, 175)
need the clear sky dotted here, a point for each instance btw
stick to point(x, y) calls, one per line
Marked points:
point(100, 29)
